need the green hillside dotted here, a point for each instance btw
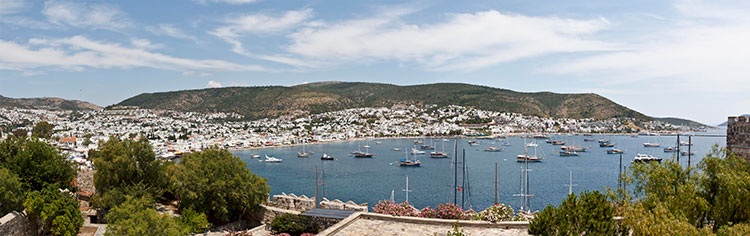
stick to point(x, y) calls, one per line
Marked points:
point(272, 101)
point(47, 103)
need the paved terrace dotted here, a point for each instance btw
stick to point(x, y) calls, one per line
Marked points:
point(364, 223)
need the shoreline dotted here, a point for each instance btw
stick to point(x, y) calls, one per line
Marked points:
point(450, 137)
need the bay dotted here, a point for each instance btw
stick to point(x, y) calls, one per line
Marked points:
point(368, 180)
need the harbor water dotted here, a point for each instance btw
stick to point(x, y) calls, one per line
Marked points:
point(372, 179)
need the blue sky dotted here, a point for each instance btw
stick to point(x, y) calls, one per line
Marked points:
point(680, 58)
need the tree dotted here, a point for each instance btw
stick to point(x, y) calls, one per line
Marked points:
point(216, 183)
point(589, 214)
point(293, 224)
point(125, 166)
point(57, 210)
point(36, 163)
point(137, 217)
point(42, 130)
point(11, 194)
point(20, 132)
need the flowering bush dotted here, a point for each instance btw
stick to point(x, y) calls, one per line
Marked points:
point(495, 213)
point(282, 234)
point(450, 211)
point(239, 233)
point(427, 212)
point(307, 234)
point(391, 208)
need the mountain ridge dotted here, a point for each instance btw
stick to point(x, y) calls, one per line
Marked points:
point(48, 103)
point(270, 101)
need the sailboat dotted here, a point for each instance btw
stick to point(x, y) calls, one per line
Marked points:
point(365, 154)
point(424, 146)
point(442, 154)
point(303, 153)
point(525, 156)
point(409, 163)
point(654, 144)
point(415, 151)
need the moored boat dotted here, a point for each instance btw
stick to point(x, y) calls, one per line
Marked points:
point(272, 159)
point(643, 158)
point(326, 157)
point(564, 153)
point(614, 151)
point(493, 149)
point(671, 149)
point(651, 144)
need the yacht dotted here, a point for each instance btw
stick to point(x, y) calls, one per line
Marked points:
point(606, 145)
point(565, 153)
point(684, 153)
point(408, 162)
point(525, 157)
point(414, 151)
point(614, 151)
point(557, 142)
point(396, 149)
point(493, 149)
point(641, 158)
point(326, 157)
point(671, 149)
point(651, 144)
point(255, 156)
point(272, 159)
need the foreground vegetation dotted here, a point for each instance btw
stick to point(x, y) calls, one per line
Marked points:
point(665, 199)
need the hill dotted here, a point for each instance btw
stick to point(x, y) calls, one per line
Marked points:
point(272, 101)
point(47, 103)
point(680, 121)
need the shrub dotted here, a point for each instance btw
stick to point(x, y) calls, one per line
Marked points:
point(590, 213)
point(450, 211)
point(391, 208)
point(292, 224)
point(495, 213)
point(137, 217)
point(427, 212)
point(11, 193)
point(36, 163)
point(195, 222)
point(57, 210)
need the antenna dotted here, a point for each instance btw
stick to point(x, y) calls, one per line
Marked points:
point(407, 189)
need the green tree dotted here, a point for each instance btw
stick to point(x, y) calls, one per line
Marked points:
point(57, 210)
point(11, 193)
point(195, 222)
point(589, 214)
point(216, 183)
point(37, 163)
point(42, 130)
point(137, 217)
point(292, 224)
point(21, 133)
point(126, 166)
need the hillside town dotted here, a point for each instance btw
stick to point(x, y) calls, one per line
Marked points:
point(171, 132)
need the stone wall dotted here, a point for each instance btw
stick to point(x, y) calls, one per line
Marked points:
point(738, 136)
point(16, 223)
point(304, 203)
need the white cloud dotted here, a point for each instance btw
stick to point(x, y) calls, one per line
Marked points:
point(172, 31)
point(100, 16)
point(233, 2)
point(214, 84)
point(706, 50)
point(193, 73)
point(78, 53)
point(258, 23)
point(11, 6)
point(462, 42)
point(144, 44)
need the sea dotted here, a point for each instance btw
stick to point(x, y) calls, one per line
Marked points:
point(369, 180)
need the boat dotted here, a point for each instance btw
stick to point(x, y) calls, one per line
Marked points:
point(686, 153)
point(634, 136)
point(378, 142)
point(540, 136)
point(565, 153)
point(445, 140)
point(505, 143)
point(396, 149)
point(586, 134)
point(643, 158)
point(614, 151)
point(326, 157)
point(603, 141)
point(272, 159)
point(408, 162)
point(302, 154)
point(525, 156)
point(671, 149)
point(493, 149)
point(606, 145)
point(549, 141)
point(365, 154)
point(473, 142)
point(255, 156)
point(685, 143)
point(366, 146)
point(651, 144)
point(441, 154)
point(531, 144)
point(588, 140)
point(426, 147)
point(558, 142)
point(574, 148)
point(415, 151)
point(417, 141)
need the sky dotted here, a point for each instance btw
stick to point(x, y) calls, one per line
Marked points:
point(682, 58)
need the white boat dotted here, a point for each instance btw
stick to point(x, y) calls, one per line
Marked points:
point(445, 140)
point(326, 157)
point(255, 156)
point(415, 151)
point(651, 144)
point(493, 149)
point(272, 159)
point(396, 149)
point(532, 144)
point(640, 158)
point(525, 157)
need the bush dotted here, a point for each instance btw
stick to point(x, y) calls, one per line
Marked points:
point(195, 222)
point(11, 193)
point(36, 163)
point(495, 213)
point(57, 210)
point(217, 183)
point(391, 208)
point(137, 217)
point(450, 211)
point(427, 212)
point(591, 213)
point(292, 224)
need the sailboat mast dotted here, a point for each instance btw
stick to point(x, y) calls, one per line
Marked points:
point(463, 178)
point(455, 172)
